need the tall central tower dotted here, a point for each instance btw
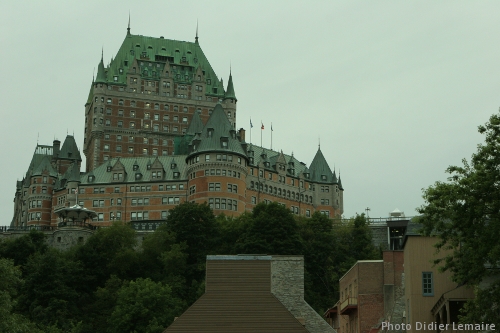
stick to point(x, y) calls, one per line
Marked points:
point(142, 102)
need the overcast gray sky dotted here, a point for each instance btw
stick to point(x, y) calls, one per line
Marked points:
point(394, 90)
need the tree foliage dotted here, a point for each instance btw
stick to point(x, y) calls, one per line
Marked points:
point(465, 213)
point(111, 283)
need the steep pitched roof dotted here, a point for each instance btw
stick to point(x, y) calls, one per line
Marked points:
point(170, 163)
point(230, 88)
point(185, 56)
point(196, 125)
point(101, 73)
point(273, 157)
point(69, 149)
point(319, 169)
point(44, 165)
point(217, 130)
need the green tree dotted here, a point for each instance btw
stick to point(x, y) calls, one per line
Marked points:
point(144, 306)
point(320, 261)
point(52, 293)
point(20, 249)
point(110, 251)
point(194, 225)
point(10, 282)
point(465, 213)
point(272, 230)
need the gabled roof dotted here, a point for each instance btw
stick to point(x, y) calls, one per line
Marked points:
point(217, 129)
point(44, 165)
point(69, 149)
point(319, 168)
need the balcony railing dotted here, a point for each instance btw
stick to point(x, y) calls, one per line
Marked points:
point(348, 305)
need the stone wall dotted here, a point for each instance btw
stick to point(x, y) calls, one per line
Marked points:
point(379, 232)
point(287, 284)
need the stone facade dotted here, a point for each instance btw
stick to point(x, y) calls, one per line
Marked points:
point(287, 284)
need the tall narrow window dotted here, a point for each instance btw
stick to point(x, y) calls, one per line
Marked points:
point(427, 284)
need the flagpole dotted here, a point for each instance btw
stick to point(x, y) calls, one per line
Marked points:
point(251, 130)
point(261, 129)
point(271, 136)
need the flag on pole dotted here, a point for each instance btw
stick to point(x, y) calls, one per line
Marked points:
point(251, 125)
point(271, 127)
point(262, 127)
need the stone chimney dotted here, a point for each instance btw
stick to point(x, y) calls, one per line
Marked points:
point(56, 148)
point(241, 134)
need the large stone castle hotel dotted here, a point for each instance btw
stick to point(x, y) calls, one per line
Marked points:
point(160, 129)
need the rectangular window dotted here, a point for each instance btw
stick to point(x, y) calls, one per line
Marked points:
point(427, 284)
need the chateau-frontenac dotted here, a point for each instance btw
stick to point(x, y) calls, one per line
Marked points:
point(160, 129)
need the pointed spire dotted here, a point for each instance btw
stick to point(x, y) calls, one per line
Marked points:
point(196, 38)
point(340, 182)
point(230, 87)
point(128, 27)
point(101, 75)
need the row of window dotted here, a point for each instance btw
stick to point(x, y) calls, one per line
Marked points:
point(218, 157)
point(222, 172)
point(154, 127)
point(280, 192)
point(130, 150)
point(145, 140)
point(223, 203)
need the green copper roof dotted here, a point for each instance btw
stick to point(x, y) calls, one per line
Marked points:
point(101, 73)
point(170, 164)
point(196, 125)
point(319, 169)
point(230, 88)
point(69, 149)
point(217, 135)
point(261, 154)
point(44, 165)
point(153, 55)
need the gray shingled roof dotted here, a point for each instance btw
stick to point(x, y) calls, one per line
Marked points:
point(222, 128)
point(69, 149)
point(103, 176)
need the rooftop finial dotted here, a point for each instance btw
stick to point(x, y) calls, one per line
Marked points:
point(102, 54)
point(196, 38)
point(128, 27)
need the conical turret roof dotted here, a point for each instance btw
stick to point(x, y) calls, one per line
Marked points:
point(196, 125)
point(101, 72)
point(230, 88)
point(319, 169)
point(218, 135)
point(69, 149)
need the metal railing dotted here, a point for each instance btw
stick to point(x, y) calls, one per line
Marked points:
point(27, 228)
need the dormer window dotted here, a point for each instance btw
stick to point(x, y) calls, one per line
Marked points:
point(135, 167)
point(210, 132)
point(323, 177)
point(108, 169)
point(251, 160)
point(138, 176)
point(176, 174)
point(224, 142)
point(173, 165)
point(148, 166)
point(266, 164)
point(306, 174)
point(91, 178)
